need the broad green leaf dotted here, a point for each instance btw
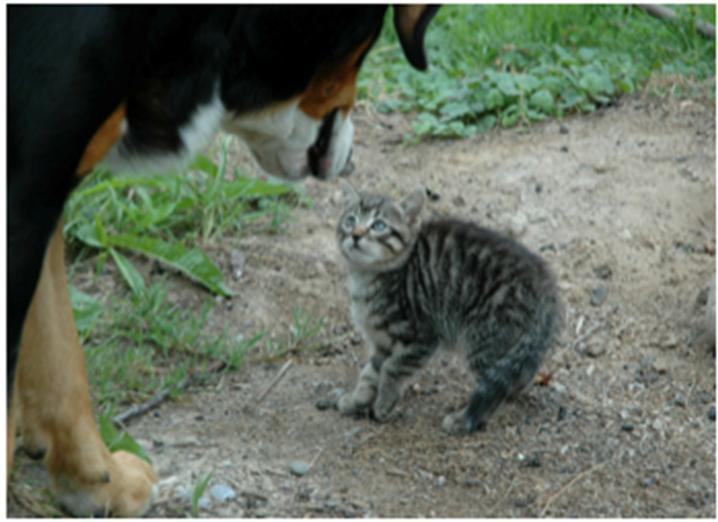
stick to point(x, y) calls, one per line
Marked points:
point(543, 100)
point(192, 262)
point(116, 441)
point(129, 272)
point(506, 84)
point(494, 99)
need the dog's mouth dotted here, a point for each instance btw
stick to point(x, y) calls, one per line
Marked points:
point(319, 158)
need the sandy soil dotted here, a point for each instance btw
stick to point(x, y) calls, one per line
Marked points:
point(622, 205)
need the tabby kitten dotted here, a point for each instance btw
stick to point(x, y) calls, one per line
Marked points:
point(416, 287)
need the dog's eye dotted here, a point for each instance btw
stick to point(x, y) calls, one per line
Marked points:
point(378, 226)
point(350, 221)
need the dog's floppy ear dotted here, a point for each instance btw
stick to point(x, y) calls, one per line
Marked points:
point(410, 22)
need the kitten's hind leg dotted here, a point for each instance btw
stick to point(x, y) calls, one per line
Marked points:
point(507, 376)
point(402, 363)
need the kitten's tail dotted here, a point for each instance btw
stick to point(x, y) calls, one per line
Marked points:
point(512, 372)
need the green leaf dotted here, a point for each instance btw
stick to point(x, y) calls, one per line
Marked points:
point(486, 123)
point(192, 262)
point(453, 110)
point(506, 84)
point(116, 441)
point(85, 309)
point(199, 490)
point(543, 100)
point(494, 99)
point(129, 272)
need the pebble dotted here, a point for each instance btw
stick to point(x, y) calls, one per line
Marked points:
point(598, 295)
point(222, 492)
point(661, 365)
point(563, 129)
point(679, 400)
point(712, 413)
point(561, 415)
point(603, 271)
point(459, 201)
point(628, 427)
point(441, 481)
point(518, 224)
point(299, 468)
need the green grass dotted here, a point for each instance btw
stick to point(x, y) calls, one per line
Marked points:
point(167, 217)
point(140, 343)
point(500, 65)
point(304, 333)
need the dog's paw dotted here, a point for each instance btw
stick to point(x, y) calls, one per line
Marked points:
point(126, 490)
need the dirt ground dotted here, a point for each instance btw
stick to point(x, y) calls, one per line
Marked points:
point(621, 203)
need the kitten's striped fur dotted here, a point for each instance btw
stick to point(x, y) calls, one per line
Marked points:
point(415, 288)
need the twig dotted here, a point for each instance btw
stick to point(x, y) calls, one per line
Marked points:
point(138, 410)
point(585, 336)
point(570, 483)
point(664, 13)
point(280, 375)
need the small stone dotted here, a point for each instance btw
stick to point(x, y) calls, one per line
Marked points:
point(183, 493)
point(563, 129)
point(650, 481)
point(518, 225)
point(563, 148)
point(222, 492)
point(204, 502)
point(603, 271)
point(441, 481)
point(561, 415)
point(712, 413)
point(459, 201)
point(532, 462)
point(628, 427)
point(598, 295)
point(679, 400)
point(661, 365)
point(596, 349)
point(299, 468)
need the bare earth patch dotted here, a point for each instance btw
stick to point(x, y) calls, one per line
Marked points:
point(621, 203)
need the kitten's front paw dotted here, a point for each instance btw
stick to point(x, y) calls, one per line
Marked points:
point(347, 405)
point(384, 404)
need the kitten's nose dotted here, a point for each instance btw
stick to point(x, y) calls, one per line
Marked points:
point(359, 232)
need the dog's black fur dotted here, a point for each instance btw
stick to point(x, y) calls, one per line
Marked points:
point(70, 67)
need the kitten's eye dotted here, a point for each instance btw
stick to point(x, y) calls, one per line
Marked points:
point(350, 221)
point(378, 226)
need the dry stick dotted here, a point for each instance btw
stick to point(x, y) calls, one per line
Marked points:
point(280, 374)
point(664, 13)
point(570, 483)
point(140, 409)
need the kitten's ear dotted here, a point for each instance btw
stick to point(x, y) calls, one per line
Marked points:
point(412, 204)
point(349, 195)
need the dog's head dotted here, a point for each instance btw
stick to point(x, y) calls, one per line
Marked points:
point(290, 80)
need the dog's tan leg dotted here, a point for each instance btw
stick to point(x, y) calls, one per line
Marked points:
point(56, 412)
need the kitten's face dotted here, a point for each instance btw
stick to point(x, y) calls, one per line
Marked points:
point(376, 233)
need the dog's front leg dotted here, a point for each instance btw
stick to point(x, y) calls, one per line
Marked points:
point(55, 411)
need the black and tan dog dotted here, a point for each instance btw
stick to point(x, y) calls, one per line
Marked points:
point(138, 86)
